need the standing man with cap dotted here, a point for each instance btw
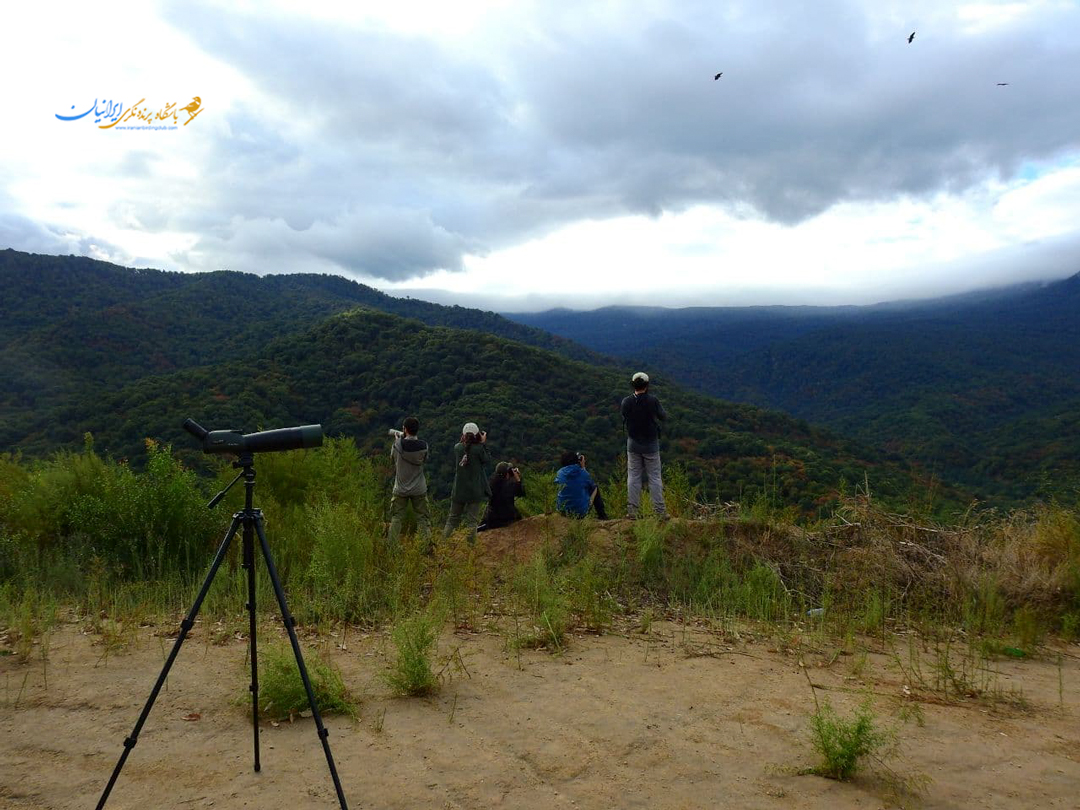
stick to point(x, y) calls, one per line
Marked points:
point(642, 414)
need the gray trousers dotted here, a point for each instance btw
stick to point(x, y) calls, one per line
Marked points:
point(469, 512)
point(650, 463)
point(398, 505)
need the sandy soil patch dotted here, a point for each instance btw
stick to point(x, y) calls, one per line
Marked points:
point(678, 718)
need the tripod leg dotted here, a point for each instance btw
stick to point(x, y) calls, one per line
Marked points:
point(249, 564)
point(290, 627)
point(185, 627)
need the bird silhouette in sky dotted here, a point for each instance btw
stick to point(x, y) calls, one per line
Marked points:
point(718, 75)
point(1003, 84)
point(911, 38)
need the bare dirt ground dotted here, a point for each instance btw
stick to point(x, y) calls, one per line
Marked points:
point(675, 718)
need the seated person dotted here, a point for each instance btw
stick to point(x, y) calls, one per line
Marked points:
point(505, 486)
point(577, 490)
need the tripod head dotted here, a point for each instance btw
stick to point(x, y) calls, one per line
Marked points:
point(265, 441)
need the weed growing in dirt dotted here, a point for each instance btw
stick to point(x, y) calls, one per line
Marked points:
point(281, 690)
point(414, 638)
point(650, 552)
point(846, 743)
point(955, 672)
point(33, 620)
point(589, 593)
point(539, 595)
point(462, 583)
point(645, 621)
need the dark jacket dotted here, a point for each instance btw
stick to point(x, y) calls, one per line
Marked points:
point(575, 489)
point(642, 415)
point(470, 481)
point(501, 510)
point(409, 453)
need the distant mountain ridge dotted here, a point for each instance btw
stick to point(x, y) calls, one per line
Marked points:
point(43, 290)
point(982, 388)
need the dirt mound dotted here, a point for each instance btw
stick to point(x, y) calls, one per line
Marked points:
point(519, 541)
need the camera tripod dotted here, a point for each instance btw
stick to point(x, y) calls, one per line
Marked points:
point(252, 522)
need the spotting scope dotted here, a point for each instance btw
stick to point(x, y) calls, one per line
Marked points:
point(265, 441)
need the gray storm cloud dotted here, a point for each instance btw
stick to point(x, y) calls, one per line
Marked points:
point(414, 155)
point(382, 243)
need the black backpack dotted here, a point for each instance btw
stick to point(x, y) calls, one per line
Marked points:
point(640, 423)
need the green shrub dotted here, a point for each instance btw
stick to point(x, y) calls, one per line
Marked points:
point(540, 491)
point(650, 552)
point(1029, 629)
point(281, 690)
point(984, 611)
point(1070, 626)
point(680, 495)
point(589, 587)
point(343, 577)
point(414, 637)
point(145, 525)
point(759, 594)
point(844, 744)
point(539, 595)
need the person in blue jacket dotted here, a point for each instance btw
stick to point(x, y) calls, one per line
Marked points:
point(577, 490)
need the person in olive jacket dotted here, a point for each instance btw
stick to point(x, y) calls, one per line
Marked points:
point(471, 490)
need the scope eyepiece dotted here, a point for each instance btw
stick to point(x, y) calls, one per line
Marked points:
point(195, 429)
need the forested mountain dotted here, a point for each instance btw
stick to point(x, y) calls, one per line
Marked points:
point(132, 353)
point(981, 389)
point(359, 373)
point(74, 328)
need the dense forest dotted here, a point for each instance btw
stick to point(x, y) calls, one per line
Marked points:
point(74, 329)
point(981, 389)
point(360, 372)
point(250, 353)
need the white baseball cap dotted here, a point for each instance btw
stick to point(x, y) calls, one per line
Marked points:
point(641, 375)
point(470, 427)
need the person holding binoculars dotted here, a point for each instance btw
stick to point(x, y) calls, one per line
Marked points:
point(471, 489)
point(410, 485)
point(505, 486)
point(577, 490)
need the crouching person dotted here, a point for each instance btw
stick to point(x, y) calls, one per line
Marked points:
point(505, 485)
point(577, 490)
point(410, 485)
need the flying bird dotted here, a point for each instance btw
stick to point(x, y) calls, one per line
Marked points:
point(911, 38)
point(1003, 84)
point(718, 75)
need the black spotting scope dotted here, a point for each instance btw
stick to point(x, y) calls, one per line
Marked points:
point(265, 441)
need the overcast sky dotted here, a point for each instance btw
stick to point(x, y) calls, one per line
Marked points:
point(518, 155)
